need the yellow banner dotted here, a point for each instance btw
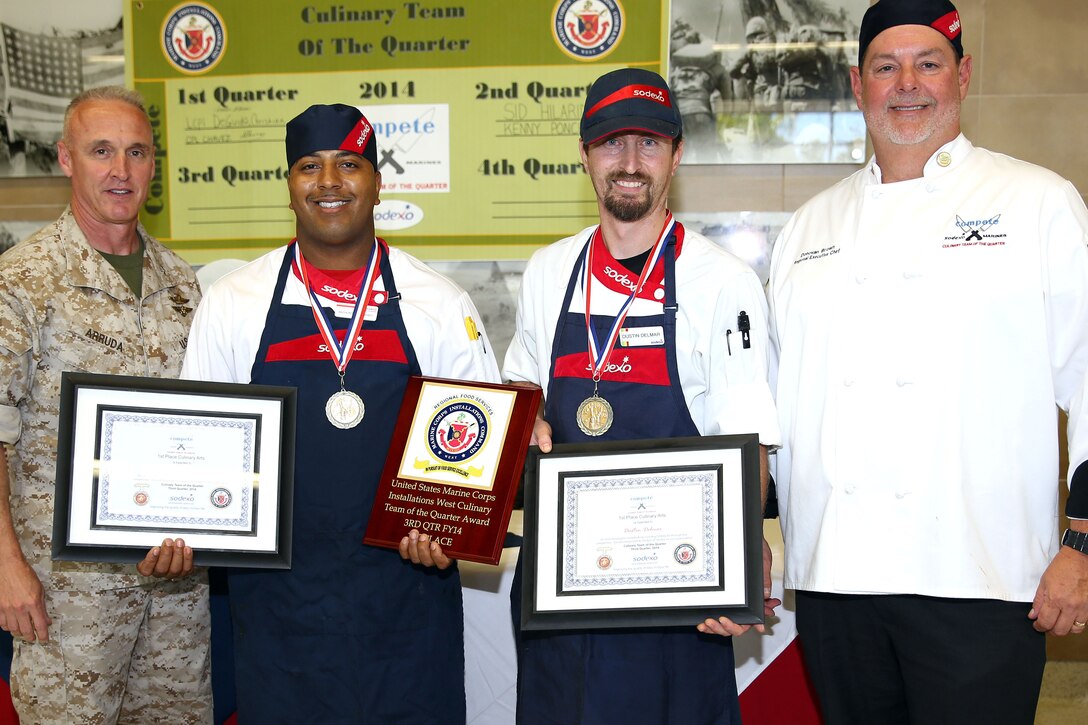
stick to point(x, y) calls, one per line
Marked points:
point(475, 108)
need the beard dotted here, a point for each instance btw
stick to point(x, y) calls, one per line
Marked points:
point(944, 116)
point(627, 208)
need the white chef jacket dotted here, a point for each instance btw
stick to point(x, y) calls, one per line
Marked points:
point(928, 330)
point(725, 386)
point(227, 329)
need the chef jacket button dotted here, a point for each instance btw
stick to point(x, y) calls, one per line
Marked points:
point(902, 494)
point(911, 275)
point(860, 279)
point(902, 382)
point(848, 381)
point(848, 490)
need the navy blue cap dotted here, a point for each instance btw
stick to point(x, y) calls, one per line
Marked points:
point(327, 128)
point(629, 99)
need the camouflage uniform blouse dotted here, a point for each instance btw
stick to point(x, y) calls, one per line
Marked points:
point(63, 307)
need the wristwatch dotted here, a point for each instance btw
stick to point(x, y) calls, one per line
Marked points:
point(1076, 540)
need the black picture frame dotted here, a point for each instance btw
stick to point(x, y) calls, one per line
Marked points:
point(84, 527)
point(552, 598)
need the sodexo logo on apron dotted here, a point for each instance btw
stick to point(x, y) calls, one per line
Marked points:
point(389, 216)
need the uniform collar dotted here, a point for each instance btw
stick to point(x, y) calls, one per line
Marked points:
point(944, 160)
point(87, 268)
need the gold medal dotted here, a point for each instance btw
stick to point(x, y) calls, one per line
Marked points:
point(594, 415)
point(344, 409)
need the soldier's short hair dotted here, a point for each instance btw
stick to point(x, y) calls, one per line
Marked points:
point(102, 93)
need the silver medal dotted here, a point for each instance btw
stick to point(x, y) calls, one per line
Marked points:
point(344, 409)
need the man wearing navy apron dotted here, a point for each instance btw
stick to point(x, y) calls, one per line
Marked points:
point(351, 633)
point(635, 329)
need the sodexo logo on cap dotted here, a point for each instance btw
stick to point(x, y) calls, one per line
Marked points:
point(194, 38)
point(629, 99)
point(587, 29)
point(356, 139)
point(648, 92)
point(949, 25)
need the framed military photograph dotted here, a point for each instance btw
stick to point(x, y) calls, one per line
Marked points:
point(767, 81)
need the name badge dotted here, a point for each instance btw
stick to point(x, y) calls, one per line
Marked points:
point(642, 336)
point(345, 311)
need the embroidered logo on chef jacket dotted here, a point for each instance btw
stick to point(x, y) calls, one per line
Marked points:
point(975, 232)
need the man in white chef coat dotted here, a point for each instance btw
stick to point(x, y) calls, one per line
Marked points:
point(931, 312)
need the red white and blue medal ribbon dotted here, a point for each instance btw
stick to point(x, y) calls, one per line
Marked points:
point(595, 414)
point(344, 409)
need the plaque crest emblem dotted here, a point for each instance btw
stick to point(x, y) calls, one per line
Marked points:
point(221, 498)
point(588, 29)
point(193, 37)
point(457, 431)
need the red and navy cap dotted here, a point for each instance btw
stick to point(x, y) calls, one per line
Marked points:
point(329, 128)
point(629, 99)
point(940, 15)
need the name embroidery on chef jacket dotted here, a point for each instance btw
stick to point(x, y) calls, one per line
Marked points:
point(809, 255)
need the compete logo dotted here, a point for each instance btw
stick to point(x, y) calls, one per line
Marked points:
point(587, 29)
point(974, 231)
point(194, 38)
point(221, 498)
point(457, 431)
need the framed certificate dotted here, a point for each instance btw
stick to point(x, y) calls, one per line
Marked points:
point(142, 459)
point(643, 533)
point(454, 465)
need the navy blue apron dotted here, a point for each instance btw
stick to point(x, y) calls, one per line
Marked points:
point(666, 675)
point(352, 633)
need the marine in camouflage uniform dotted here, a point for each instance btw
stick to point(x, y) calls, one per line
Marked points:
point(121, 647)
